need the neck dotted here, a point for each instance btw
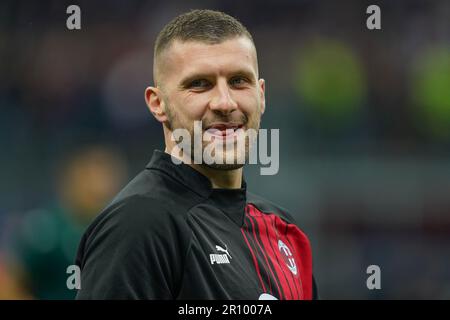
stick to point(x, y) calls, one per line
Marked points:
point(220, 179)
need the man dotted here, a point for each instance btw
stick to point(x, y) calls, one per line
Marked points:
point(46, 240)
point(191, 230)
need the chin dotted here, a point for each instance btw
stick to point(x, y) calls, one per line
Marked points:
point(224, 166)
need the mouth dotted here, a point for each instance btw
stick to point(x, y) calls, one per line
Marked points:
point(223, 130)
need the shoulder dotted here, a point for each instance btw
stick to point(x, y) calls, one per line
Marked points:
point(153, 188)
point(138, 213)
point(134, 222)
point(133, 239)
point(152, 201)
point(269, 207)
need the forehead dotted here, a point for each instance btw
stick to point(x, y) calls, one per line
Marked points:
point(183, 58)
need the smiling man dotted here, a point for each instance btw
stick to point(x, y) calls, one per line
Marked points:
point(208, 73)
point(186, 227)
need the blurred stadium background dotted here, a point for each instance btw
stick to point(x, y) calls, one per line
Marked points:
point(364, 119)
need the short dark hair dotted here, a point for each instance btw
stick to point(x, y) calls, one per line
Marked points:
point(206, 26)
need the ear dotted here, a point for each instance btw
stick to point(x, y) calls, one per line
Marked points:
point(262, 94)
point(155, 103)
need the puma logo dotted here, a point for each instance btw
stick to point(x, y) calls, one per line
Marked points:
point(220, 249)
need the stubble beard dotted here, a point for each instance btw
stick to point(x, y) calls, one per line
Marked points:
point(248, 122)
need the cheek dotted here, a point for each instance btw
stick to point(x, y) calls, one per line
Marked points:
point(249, 103)
point(194, 106)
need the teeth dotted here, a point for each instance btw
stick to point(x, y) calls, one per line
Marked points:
point(224, 128)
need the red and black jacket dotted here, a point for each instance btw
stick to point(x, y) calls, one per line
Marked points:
point(169, 235)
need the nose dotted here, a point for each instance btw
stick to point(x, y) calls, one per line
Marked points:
point(222, 100)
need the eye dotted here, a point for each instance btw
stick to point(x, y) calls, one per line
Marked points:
point(238, 81)
point(199, 84)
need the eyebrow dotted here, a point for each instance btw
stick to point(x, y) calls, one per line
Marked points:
point(184, 82)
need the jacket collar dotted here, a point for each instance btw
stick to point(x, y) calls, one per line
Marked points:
point(231, 201)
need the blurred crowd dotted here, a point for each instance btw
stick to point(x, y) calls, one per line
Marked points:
point(364, 119)
point(44, 242)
